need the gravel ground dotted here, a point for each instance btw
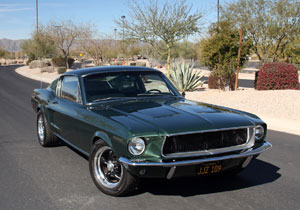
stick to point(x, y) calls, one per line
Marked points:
point(284, 104)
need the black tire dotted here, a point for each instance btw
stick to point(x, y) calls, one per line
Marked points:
point(47, 139)
point(108, 174)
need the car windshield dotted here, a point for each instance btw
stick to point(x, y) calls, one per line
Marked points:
point(119, 85)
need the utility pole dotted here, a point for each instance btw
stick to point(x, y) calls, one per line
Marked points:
point(37, 15)
point(218, 5)
point(236, 86)
point(123, 42)
point(123, 19)
point(115, 34)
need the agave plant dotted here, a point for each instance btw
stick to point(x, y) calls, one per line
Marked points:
point(184, 78)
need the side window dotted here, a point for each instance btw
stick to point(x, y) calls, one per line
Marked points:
point(70, 89)
point(53, 85)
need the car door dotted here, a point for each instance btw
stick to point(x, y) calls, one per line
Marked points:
point(66, 116)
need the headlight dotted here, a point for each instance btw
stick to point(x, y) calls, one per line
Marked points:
point(259, 132)
point(136, 146)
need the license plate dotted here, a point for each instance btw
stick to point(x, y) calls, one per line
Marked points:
point(209, 168)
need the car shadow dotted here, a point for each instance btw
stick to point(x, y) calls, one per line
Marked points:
point(257, 173)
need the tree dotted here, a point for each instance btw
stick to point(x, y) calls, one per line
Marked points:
point(220, 51)
point(64, 34)
point(5, 54)
point(271, 24)
point(94, 48)
point(101, 50)
point(38, 47)
point(186, 50)
point(291, 53)
point(170, 23)
point(2, 53)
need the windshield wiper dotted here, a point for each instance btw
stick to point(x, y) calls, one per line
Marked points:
point(156, 94)
point(109, 99)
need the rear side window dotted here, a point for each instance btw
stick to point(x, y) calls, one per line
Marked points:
point(70, 89)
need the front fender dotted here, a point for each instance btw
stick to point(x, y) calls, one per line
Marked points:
point(103, 136)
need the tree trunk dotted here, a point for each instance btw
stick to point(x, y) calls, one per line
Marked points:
point(236, 86)
point(276, 49)
point(66, 60)
point(168, 61)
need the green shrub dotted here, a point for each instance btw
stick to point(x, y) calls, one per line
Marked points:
point(218, 82)
point(185, 78)
point(61, 70)
point(133, 64)
point(277, 76)
point(39, 64)
point(60, 62)
point(141, 64)
point(48, 69)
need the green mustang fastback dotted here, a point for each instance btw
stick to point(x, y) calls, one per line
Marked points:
point(132, 123)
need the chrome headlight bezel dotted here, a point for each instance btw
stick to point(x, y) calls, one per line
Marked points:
point(136, 146)
point(259, 132)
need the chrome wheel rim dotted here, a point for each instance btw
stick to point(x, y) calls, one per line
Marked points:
point(108, 170)
point(41, 129)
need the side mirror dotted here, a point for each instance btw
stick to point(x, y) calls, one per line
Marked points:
point(183, 94)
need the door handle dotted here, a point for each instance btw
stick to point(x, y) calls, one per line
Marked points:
point(54, 102)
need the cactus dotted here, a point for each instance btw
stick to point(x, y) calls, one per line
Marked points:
point(184, 78)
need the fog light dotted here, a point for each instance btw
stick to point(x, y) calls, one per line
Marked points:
point(136, 146)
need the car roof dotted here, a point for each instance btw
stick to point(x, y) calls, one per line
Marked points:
point(107, 69)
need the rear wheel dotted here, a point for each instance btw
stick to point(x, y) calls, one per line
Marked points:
point(108, 174)
point(45, 136)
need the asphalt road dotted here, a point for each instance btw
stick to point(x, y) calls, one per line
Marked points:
point(243, 83)
point(33, 177)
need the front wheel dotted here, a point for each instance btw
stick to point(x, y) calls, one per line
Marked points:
point(45, 136)
point(108, 174)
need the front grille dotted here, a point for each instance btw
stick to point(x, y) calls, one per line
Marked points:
point(204, 141)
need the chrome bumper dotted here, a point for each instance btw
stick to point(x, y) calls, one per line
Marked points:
point(247, 153)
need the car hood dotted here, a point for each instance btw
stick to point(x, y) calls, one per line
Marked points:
point(166, 117)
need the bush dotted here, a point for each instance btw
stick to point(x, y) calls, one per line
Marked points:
point(277, 76)
point(185, 78)
point(217, 82)
point(61, 70)
point(48, 69)
point(60, 62)
point(133, 64)
point(141, 64)
point(39, 64)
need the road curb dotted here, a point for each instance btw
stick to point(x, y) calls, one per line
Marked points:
point(21, 71)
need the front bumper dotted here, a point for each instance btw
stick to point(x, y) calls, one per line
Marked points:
point(172, 165)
